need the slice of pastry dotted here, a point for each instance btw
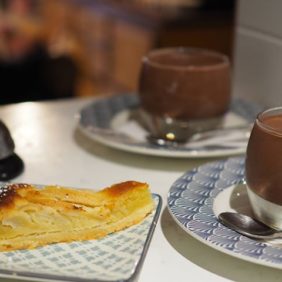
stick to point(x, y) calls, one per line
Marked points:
point(32, 217)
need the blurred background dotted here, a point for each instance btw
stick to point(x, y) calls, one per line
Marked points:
point(53, 49)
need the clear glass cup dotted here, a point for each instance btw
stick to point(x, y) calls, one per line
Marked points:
point(264, 167)
point(184, 90)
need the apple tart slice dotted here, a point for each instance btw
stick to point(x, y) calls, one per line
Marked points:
point(31, 217)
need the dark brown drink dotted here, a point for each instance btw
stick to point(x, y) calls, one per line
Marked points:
point(264, 157)
point(185, 84)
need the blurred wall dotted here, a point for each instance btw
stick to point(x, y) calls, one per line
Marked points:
point(258, 51)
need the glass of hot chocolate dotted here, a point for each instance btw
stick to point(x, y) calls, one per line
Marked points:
point(183, 91)
point(264, 167)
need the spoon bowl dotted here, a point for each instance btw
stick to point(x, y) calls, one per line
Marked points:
point(248, 226)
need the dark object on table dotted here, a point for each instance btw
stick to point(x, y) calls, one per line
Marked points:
point(11, 165)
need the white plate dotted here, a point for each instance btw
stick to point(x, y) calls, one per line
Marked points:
point(113, 121)
point(197, 197)
point(116, 257)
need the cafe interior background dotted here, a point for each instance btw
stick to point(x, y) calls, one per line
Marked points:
point(60, 48)
point(57, 49)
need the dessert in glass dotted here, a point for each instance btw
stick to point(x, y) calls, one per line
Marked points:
point(264, 167)
point(183, 90)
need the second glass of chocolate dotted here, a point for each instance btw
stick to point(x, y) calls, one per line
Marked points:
point(183, 91)
point(264, 167)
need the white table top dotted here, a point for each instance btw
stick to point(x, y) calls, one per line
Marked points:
point(55, 152)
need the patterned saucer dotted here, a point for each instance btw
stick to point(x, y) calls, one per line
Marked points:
point(115, 122)
point(199, 195)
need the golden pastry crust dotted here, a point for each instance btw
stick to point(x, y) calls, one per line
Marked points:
point(32, 217)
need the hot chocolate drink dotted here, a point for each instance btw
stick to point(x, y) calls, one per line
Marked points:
point(264, 157)
point(185, 84)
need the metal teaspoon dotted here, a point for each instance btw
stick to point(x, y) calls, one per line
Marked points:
point(200, 136)
point(248, 226)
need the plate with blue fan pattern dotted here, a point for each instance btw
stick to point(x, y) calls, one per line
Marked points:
point(199, 195)
point(116, 257)
point(116, 122)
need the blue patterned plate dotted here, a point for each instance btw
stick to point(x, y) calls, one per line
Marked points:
point(114, 121)
point(116, 257)
point(197, 197)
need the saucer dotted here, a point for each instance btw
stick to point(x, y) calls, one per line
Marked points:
point(198, 196)
point(115, 122)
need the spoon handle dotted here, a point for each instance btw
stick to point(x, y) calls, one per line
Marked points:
point(207, 134)
point(277, 235)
